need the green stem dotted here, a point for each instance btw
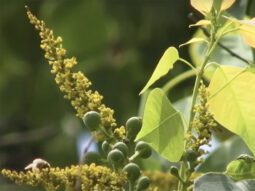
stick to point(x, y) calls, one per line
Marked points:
point(130, 186)
point(184, 169)
point(210, 49)
point(110, 137)
point(134, 156)
point(182, 173)
point(187, 63)
point(181, 77)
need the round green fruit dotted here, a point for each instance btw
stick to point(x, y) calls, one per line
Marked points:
point(133, 171)
point(91, 157)
point(133, 126)
point(122, 147)
point(143, 149)
point(174, 171)
point(92, 120)
point(106, 147)
point(143, 183)
point(115, 156)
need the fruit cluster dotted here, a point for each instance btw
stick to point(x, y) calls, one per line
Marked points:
point(121, 155)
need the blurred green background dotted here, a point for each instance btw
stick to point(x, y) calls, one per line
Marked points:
point(117, 43)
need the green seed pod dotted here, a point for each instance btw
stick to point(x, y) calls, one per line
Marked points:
point(122, 147)
point(133, 126)
point(91, 157)
point(174, 171)
point(143, 149)
point(92, 120)
point(133, 171)
point(115, 156)
point(106, 147)
point(143, 183)
point(191, 155)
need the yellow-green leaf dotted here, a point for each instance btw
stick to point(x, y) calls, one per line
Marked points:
point(194, 40)
point(165, 64)
point(163, 126)
point(203, 6)
point(248, 31)
point(225, 4)
point(232, 101)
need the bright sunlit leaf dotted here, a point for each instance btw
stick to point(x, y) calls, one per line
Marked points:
point(203, 6)
point(226, 4)
point(165, 64)
point(248, 31)
point(163, 126)
point(232, 101)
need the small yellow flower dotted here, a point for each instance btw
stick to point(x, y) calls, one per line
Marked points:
point(91, 178)
point(120, 133)
point(74, 85)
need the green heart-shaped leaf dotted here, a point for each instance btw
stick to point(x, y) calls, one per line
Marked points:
point(163, 126)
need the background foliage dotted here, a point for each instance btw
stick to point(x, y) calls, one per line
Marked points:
point(117, 43)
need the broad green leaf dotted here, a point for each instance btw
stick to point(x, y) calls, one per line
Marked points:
point(232, 101)
point(165, 64)
point(242, 168)
point(221, 182)
point(163, 126)
point(184, 105)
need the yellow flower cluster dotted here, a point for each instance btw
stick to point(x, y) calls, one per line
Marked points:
point(74, 85)
point(164, 181)
point(161, 181)
point(202, 125)
point(89, 178)
point(120, 133)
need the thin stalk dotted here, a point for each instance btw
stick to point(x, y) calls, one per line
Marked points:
point(211, 47)
point(178, 79)
point(182, 186)
point(187, 63)
point(130, 186)
point(134, 156)
point(109, 136)
point(184, 174)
